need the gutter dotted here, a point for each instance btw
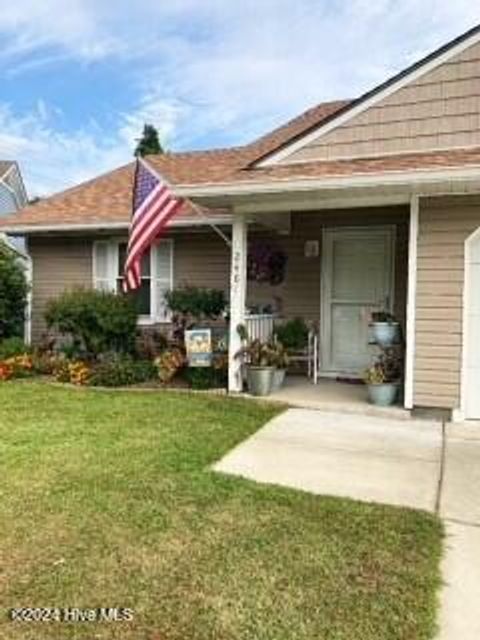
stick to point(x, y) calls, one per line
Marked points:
point(416, 178)
point(19, 229)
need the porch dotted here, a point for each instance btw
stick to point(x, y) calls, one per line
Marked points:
point(340, 266)
point(332, 395)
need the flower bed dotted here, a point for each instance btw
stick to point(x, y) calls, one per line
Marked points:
point(168, 369)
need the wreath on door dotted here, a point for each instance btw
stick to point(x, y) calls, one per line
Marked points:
point(266, 263)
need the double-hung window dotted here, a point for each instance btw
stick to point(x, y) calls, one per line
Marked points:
point(156, 276)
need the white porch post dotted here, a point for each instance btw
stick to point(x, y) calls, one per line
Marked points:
point(238, 287)
point(411, 302)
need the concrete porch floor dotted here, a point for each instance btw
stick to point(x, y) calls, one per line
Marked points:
point(330, 395)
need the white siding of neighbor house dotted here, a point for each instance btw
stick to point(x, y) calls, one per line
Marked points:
point(7, 201)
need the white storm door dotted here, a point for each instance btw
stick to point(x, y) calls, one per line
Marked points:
point(357, 278)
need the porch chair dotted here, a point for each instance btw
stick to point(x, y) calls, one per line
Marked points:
point(310, 354)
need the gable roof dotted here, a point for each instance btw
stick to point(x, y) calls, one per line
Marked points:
point(5, 165)
point(106, 200)
point(366, 100)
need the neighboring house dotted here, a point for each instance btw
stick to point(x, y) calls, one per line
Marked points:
point(13, 195)
point(375, 201)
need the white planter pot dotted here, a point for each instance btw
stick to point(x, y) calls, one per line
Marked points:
point(278, 379)
point(385, 333)
point(383, 395)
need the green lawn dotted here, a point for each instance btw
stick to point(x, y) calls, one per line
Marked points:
point(107, 500)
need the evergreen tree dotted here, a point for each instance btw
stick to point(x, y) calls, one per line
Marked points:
point(149, 143)
point(13, 293)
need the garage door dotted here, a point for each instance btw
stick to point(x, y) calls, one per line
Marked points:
point(472, 337)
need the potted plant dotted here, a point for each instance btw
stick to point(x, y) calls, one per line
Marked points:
point(383, 379)
point(258, 364)
point(293, 334)
point(279, 359)
point(385, 328)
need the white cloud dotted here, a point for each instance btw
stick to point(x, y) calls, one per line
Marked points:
point(51, 158)
point(216, 70)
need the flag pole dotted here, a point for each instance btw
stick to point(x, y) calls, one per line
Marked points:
point(193, 205)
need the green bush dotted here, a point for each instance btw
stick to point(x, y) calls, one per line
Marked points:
point(121, 371)
point(196, 302)
point(96, 321)
point(293, 334)
point(205, 378)
point(13, 294)
point(13, 346)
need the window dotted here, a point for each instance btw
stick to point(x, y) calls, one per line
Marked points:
point(143, 295)
point(156, 274)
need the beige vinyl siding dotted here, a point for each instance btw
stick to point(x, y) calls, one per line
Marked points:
point(299, 294)
point(444, 225)
point(439, 110)
point(58, 263)
point(200, 259)
point(203, 259)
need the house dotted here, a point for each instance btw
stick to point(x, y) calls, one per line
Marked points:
point(374, 201)
point(13, 195)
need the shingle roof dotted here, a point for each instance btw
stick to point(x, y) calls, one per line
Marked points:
point(421, 161)
point(107, 198)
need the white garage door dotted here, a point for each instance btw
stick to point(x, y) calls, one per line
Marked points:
point(471, 365)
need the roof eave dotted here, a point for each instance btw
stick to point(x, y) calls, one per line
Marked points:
point(61, 228)
point(416, 179)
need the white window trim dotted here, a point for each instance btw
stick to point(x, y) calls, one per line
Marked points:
point(112, 259)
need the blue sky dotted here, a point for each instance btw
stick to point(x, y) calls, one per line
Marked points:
point(77, 84)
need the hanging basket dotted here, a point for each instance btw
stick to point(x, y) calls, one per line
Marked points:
point(266, 264)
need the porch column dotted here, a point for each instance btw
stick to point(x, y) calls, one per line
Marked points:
point(238, 288)
point(411, 302)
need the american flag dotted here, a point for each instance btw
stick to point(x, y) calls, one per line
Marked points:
point(154, 204)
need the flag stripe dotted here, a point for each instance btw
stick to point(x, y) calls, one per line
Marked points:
point(145, 240)
point(155, 205)
point(147, 217)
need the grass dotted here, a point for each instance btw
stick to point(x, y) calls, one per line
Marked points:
point(107, 500)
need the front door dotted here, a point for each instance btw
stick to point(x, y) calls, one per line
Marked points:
point(357, 269)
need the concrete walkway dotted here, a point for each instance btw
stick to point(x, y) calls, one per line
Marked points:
point(460, 509)
point(413, 463)
point(375, 459)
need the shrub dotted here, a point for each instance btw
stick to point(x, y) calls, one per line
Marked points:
point(13, 346)
point(293, 334)
point(6, 371)
point(46, 362)
point(13, 294)
point(209, 377)
point(96, 321)
point(197, 302)
point(149, 344)
point(169, 363)
point(201, 377)
point(123, 371)
point(20, 366)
